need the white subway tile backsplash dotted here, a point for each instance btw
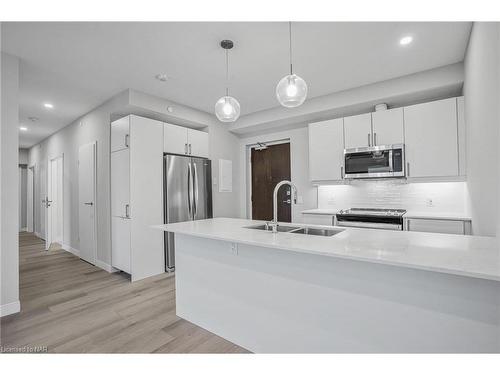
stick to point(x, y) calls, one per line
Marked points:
point(451, 197)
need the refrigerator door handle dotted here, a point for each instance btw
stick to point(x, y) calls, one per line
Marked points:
point(195, 203)
point(189, 190)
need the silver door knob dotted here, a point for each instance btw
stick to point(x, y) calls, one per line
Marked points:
point(289, 201)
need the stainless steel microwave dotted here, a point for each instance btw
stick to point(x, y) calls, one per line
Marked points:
point(375, 162)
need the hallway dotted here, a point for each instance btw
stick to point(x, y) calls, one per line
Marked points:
point(70, 306)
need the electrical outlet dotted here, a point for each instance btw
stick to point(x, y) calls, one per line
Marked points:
point(234, 248)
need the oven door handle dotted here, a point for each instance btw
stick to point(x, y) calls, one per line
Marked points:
point(359, 224)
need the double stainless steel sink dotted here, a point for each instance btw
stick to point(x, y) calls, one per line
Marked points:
point(312, 231)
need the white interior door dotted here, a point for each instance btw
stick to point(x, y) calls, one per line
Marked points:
point(42, 202)
point(86, 201)
point(55, 201)
point(29, 201)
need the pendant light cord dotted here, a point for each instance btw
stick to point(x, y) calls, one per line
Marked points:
point(290, 41)
point(227, 72)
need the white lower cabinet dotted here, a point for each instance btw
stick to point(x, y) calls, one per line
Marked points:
point(120, 239)
point(438, 226)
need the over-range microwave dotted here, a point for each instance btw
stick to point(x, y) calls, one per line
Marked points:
point(375, 162)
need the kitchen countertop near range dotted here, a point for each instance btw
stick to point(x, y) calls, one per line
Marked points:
point(471, 256)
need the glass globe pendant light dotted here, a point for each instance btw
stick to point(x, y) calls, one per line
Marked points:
point(227, 108)
point(291, 90)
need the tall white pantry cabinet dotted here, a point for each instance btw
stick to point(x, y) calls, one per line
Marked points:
point(136, 196)
point(137, 148)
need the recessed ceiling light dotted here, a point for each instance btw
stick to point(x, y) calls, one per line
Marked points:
point(48, 105)
point(406, 40)
point(23, 128)
point(161, 77)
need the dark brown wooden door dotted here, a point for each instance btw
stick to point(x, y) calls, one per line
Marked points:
point(270, 166)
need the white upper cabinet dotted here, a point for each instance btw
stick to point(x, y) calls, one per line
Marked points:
point(388, 127)
point(326, 150)
point(175, 139)
point(431, 139)
point(120, 130)
point(197, 143)
point(184, 141)
point(358, 131)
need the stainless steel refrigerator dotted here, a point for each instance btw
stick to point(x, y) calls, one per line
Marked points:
point(187, 192)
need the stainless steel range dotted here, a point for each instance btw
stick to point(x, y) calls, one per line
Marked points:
point(377, 218)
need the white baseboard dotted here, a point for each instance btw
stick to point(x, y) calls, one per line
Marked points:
point(39, 235)
point(72, 250)
point(105, 266)
point(10, 308)
point(99, 263)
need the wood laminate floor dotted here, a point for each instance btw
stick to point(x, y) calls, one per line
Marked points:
point(70, 306)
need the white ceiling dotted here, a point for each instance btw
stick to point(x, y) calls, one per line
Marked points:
point(77, 66)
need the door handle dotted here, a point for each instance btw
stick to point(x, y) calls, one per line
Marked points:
point(341, 172)
point(369, 143)
point(89, 203)
point(189, 189)
point(190, 149)
point(126, 140)
point(195, 195)
point(185, 148)
point(289, 201)
point(374, 139)
point(127, 213)
point(408, 169)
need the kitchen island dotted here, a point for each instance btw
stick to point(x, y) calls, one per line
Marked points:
point(360, 290)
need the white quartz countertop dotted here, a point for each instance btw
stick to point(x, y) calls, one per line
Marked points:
point(436, 216)
point(471, 256)
point(320, 211)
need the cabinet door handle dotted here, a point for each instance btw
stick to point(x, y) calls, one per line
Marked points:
point(185, 148)
point(127, 211)
point(408, 169)
point(341, 172)
point(374, 139)
point(190, 149)
point(369, 140)
point(126, 140)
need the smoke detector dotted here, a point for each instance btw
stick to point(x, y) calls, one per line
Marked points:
point(381, 107)
point(161, 77)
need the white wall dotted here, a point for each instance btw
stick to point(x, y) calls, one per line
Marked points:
point(94, 126)
point(9, 207)
point(23, 155)
point(481, 92)
point(299, 160)
point(23, 196)
point(446, 197)
point(23, 181)
point(442, 82)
